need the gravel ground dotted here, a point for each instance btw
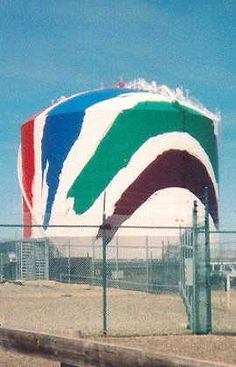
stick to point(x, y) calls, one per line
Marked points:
point(210, 347)
point(12, 359)
point(71, 310)
point(75, 311)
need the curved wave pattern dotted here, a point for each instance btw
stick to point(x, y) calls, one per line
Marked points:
point(173, 168)
point(62, 128)
point(131, 129)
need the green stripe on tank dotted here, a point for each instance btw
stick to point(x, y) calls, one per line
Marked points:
point(131, 129)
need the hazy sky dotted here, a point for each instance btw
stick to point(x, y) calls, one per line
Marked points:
point(50, 48)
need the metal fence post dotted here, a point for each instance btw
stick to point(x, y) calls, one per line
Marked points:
point(195, 305)
point(208, 263)
point(163, 273)
point(147, 265)
point(21, 260)
point(151, 287)
point(46, 275)
point(69, 264)
point(104, 266)
point(181, 260)
point(1, 266)
point(93, 265)
point(117, 262)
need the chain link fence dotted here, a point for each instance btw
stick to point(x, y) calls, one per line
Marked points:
point(223, 281)
point(56, 284)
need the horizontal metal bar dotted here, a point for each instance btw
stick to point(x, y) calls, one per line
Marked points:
point(224, 231)
point(86, 226)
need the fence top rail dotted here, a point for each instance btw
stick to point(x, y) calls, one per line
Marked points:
point(223, 231)
point(10, 225)
point(89, 353)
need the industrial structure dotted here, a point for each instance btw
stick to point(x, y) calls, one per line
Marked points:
point(152, 150)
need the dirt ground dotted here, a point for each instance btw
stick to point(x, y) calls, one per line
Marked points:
point(211, 347)
point(155, 323)
point(71, 310)
point(12, 359)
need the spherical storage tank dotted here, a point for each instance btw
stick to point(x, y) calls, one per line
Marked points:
point(150, 149)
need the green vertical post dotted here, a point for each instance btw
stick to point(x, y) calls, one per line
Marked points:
point(69, 263)
point(208, 264)
point(180, 259)
point(117, 262)
point(151, 273)
point(1, 266)
point(104, 267)
point(163, 275)
point(92, 265)
point(46, 254)
point(147, 265)
point(182, 286)
point(195, 298)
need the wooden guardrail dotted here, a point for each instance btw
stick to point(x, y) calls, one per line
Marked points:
point(83, 352)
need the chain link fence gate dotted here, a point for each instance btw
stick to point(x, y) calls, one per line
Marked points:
point(195, 273)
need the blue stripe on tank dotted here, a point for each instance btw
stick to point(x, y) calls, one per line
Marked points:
point(62, 128)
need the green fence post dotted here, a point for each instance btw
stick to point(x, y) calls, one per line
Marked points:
point(208, 264)
point(162, 273)
point(69, 263)
point(104, 266)
point(93, 265)
point(1, 266)
point(147, 266)
point(117, 262)
point(195, 304)
point(151, 273)
point(181, 260)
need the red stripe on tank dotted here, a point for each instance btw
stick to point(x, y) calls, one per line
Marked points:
point(27, 220)
point(28, 171)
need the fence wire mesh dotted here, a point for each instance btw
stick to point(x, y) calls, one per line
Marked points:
point(223, 281)
point(55, 284)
